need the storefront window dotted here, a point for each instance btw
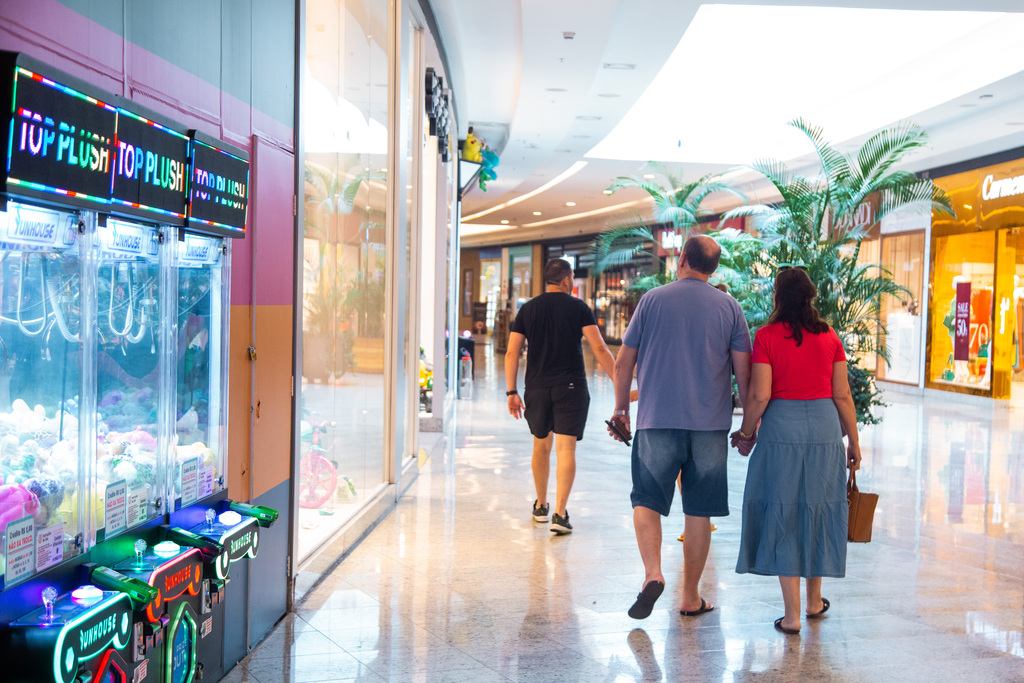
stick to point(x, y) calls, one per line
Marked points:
point(1008, 326)
point(961, 310)
point(344, 114)
point(903, 258)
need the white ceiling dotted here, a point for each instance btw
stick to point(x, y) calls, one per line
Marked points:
point(512, 70)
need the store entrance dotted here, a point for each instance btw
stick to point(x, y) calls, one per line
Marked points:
point(1010, 308)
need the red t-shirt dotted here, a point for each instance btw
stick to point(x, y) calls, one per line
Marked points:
point(799, 373)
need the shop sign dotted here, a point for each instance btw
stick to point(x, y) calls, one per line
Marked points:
point(60, 143)
point(150, 169)
point(1005, 187)
point(962, 331)
point(219, 193)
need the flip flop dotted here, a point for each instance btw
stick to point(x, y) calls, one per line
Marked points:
point(645, 600)
point(704, 607)
point(821, 613)
point(783, 629)
point(682, 536)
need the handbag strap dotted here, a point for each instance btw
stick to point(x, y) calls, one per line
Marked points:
point(851, 483)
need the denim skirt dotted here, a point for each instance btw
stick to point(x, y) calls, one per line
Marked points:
point(795, 512)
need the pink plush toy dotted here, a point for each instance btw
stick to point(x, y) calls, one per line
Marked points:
point(16, 501)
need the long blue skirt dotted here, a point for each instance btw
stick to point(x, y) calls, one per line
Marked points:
point(795, 512)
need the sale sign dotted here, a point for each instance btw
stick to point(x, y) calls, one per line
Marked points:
point(962, 331)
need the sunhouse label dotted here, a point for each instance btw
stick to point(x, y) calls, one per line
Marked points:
point(199, 251)
point(33, 226)
point(129, 239)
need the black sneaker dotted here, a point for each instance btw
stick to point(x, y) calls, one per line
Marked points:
point(540, 512)
point(560, 525)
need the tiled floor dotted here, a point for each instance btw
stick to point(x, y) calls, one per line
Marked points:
point(459, 585)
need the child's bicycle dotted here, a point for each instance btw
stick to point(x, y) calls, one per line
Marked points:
point(318, 477)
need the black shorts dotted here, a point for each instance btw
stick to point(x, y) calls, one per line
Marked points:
point(560, 409)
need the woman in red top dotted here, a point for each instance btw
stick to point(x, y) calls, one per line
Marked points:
point(795, 511)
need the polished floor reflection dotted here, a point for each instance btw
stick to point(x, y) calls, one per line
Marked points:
point(458, 584)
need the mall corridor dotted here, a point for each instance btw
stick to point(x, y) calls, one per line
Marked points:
point(459, 585)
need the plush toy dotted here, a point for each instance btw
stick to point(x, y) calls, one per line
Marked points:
point(50, 494)
point(16, 501)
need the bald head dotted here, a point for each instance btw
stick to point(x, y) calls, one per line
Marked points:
point(702, 254)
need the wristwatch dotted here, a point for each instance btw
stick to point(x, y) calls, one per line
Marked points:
point(512, 393)
point(622, 411)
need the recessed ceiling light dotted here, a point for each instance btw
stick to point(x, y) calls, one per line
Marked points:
point(536, 213)
point(607, 94)
point(555, 89)
point(607, 191)
point(968, 105)
point(588, 118)
point(570, 203)
point(986, 96)
point(504, 221)
point(581, 136)
point(649, 176)
point(619, 65)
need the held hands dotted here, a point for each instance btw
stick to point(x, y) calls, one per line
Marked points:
point(743, 445)
point(515, 406)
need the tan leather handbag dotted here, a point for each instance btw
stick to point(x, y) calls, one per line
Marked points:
point(862, 511)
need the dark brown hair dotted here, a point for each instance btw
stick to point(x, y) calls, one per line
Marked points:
point(556, 270)
point(794, 297)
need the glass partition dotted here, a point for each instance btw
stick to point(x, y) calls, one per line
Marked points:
point(43, 322)
point(200, 349)
point(345, 113)
point(130, 382)
point(903, 258)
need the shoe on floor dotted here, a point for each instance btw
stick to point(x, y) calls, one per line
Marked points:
point(540, 512)
point(560, 525)
point(825, 605)
point(788, 631)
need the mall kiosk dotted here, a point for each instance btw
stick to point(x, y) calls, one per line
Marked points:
point(116, 532)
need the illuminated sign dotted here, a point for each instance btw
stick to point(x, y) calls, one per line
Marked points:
point(77, 634)
point(180, 657)
point(219, 191)
point(1006, 187)
point(172, 578)
point(150, 169)
point(199, 251)
point(60, 138)
point(33, 227)
point(128, 240)
point(239, 541)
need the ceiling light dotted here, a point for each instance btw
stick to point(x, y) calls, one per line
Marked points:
point(968, 206)
point(587, 214)
point(929, 49)
point(536, 213)
point(564, 175)
point(607, 94)
point(588, 118)
point(608, 191)
point(985, 97)
point(555, 89)
point(570, 203)
point(619, 65)
point(504, 221)
point(581, 136)
point(649, 176)
point(568, 35)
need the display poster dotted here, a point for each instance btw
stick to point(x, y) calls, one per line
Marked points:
point(115, 511)
point(150, 168)
point(962, 331)
point(190, 481)
point(49, 546)
point(136, 506)
point(205, 481)
point(20, 550)
point(219, 192)
point(61, 141)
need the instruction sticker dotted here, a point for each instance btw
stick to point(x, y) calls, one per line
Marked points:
point(207, 627)
point(190, 481)
point(49, 546)
point(205, 481)
point(20, 550)
point(137, 504)
point(115, 513)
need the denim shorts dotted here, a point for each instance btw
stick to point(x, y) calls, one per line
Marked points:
point(659, 455)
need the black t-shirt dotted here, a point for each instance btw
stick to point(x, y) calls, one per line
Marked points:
point(553, 325)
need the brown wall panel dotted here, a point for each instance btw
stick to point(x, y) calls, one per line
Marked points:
point(239, 385)
point(272, 442)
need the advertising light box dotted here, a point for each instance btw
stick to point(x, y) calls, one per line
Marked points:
point(150, 168)
point(219, 192)
point(60, 136)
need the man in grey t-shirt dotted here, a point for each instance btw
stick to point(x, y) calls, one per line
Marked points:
point(685, 340)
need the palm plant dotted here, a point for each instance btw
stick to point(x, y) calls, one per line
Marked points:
point(676, 203)
point(820, 223)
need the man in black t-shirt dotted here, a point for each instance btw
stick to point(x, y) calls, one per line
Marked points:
point(556, 393)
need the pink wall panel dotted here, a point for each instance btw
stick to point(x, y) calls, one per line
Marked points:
point(272, 230)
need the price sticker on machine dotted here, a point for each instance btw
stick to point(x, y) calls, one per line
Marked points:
point(115, 515)
point(20, 549)
point(190, 481)
point(49, 546)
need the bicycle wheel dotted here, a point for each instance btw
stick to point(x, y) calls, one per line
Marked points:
point(318, 479)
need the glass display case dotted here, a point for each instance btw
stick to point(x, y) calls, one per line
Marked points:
point(44, 322)
point(131, 375)
point(201, 366)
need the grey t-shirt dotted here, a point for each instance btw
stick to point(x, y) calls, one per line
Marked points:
point(683, 332)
